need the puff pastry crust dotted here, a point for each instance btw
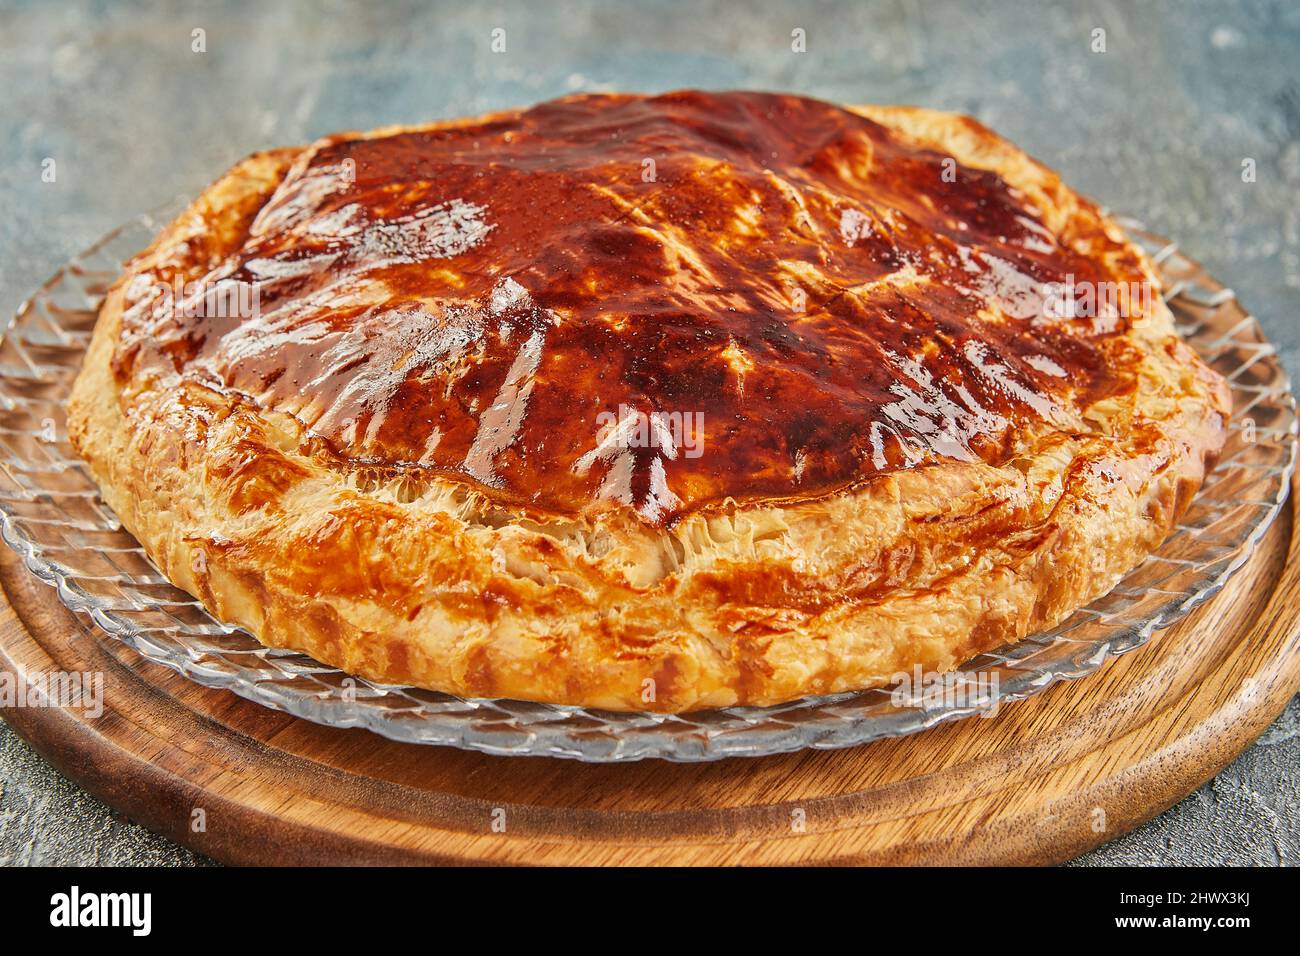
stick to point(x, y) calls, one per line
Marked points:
point(906, 456)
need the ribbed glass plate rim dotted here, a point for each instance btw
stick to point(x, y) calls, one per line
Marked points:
point(50, 513)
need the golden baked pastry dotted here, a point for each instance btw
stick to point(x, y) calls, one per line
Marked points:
point(633, 402)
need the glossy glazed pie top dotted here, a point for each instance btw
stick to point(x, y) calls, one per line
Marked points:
point(820, 300)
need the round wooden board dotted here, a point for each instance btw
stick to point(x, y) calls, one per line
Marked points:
point(1043, 781)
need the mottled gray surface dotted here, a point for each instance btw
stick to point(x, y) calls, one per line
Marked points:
point(1158, 125)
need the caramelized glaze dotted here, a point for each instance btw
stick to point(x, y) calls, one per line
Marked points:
point(466, 301)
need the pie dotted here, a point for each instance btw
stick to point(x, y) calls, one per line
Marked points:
point(646, 403)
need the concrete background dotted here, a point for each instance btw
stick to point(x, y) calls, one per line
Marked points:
point(1158, 126)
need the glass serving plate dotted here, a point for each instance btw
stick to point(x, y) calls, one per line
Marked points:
point(51, 513)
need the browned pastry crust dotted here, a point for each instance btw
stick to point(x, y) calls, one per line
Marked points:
point(739, 583)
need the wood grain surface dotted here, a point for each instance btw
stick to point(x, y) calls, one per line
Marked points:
point(1043, 781)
